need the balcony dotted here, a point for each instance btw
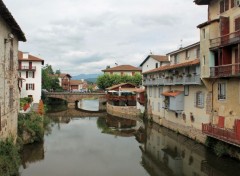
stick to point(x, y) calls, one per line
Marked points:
point(230, 70)
point(121, 98)
point(226, 135)
point(184, 80)
point(225, 40)
point(27, 68)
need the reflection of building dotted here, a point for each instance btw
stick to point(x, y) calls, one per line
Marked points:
point(220, 54)
point(10, 35)
point(121, 123)
point(167, 153)
point(30, 69)
point(123, 70)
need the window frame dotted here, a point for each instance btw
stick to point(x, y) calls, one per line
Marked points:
point(222, 91)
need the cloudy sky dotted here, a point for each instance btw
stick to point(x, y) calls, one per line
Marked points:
point(84, 36)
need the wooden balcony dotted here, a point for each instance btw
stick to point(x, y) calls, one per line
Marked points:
point(33, 68)
point(121, 98)
point(226, 135)
point(225, 40)
point(175, 80)
point(230, 70)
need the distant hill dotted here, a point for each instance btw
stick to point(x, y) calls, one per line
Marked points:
point(87, 77)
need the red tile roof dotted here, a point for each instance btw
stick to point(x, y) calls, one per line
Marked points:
point(30, 58)
point(123, 68)
point(159, 58)
point(169, 67)
point(172, 93)
point(8, 18)
point(76, 82)
point(61, 75)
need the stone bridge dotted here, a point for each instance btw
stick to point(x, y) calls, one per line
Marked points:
point(73, 97)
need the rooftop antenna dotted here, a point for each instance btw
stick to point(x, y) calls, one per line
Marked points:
point(116, 64)
point(181, 43)
point(151, 52)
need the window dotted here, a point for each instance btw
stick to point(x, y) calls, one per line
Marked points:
point(221, 91)
point(154, 90)
point(30, 74)
point(204, 33)
point(186, 90)
point(204, 60)
point(175, 59)
point(159, 106)
point(11, 60)
point(150, 91)
point(237, 24)
point(224, 5)
point(156, 65)
point(187, 55)
point(160, 91)
point(30, 86)
point(11, 98)
point(199, 99)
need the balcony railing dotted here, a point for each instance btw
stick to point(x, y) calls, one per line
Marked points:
point(184, 80)
point(225, 70)
point(227, 135)
point(27, 68)
point(228, 39)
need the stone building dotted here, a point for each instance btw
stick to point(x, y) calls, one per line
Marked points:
point(10, 35)
point(220, 58)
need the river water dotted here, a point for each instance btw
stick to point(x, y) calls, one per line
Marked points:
point(111, 146)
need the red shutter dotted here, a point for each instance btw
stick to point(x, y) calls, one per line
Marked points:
point(26, 86)
point(33, 74)
point(237, 24)
point(232, 3)
point(26, 74)
point(221, 122)
point(226, 5)
point(33, 86)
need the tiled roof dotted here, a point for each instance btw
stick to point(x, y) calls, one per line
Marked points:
point(159, 58)
point(208, 23)
point(119, 85)
point(61, 75)
point(169, 67)
point(30, 58)
point(8, 18)
point(172, 93)
point(123, 68)
point(76, 82)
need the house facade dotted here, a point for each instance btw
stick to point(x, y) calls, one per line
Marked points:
point(10, 35)
point(123, 70)
point(78, 85)
point(30, 70)
point(220, 56)
point(64, 81)
point(176, 95)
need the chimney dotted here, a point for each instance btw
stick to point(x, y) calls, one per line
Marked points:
point(25, 55)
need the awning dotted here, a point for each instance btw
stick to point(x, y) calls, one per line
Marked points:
point(172, 93)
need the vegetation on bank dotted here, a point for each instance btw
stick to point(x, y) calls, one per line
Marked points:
point(9, 158)
point(106, 80)
point(222, 149)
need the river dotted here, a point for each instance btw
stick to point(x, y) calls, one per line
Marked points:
point(111, 146)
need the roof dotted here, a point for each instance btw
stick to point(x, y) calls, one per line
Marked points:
point(208, 22)
point(76, 82)
point(159, 58)
point(119, 85)
point(8, 18)
point(172, 93)
point(123, 68)
point(30, 58)
point(184, 48)
point(169, 67)
point(61, 75)
point(202, 2)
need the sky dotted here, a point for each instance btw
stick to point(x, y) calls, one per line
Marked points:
point(85, 36)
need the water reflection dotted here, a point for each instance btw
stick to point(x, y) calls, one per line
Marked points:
point(167, 153)
point(89, 105)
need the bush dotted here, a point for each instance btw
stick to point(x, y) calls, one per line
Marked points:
point(9, 158)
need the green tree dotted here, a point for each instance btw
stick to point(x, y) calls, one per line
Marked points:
point(49, 81)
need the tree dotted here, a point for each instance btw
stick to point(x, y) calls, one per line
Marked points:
point(49, 81)
point(107, 80)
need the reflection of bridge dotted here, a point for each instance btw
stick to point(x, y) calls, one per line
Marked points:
point(76, 113)
point(73, 97)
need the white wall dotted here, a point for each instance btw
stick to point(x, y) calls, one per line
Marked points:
point(37, 81)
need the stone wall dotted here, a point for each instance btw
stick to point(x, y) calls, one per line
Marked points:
point(123, 111)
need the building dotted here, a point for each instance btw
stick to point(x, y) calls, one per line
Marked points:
point(30, 69)
point(176, 95)
point(10, 35)
point(220, 57)
point(154, 61)
point(64, 81)
point(78, 85)
point(123, 70)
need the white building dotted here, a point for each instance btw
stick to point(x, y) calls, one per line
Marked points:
point(123, 70)
point(30, 69)
point(10, 35)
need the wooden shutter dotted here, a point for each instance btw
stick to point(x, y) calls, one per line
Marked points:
point(33, 85)
point(26, 74)
point(33, 74)
point(232, 3)
point(226, 5)
point(221, 122)
point(237, 24)
point(221, 6)
point(26, 86)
